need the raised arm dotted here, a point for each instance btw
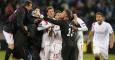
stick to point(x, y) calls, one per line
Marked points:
point(43, 26)
point(112, 38)
point(82, 24)
point(79, 21)
point(56, 22)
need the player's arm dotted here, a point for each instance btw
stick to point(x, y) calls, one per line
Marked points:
point(56, 22)
point(79, 21)
point(88, 39)
point(112, 38)
point(83, 26)
point(20, 14)
point(43, 26)
point(90, 34)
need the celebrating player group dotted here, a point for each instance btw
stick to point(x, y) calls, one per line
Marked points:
point(58, 35)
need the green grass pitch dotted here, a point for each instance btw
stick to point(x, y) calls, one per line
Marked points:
point(86, 56)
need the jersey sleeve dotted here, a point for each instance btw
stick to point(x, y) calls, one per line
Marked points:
point(92, 28)
point(110, 30)
point(43, 25)
point(82, 24)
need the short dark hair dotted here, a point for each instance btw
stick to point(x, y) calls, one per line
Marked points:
point(99, 13)
point(57, 11)
point(27, 3)
point(48, 8)
point(68, 12)
point(36, 7)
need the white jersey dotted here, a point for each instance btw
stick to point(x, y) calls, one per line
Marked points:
point(82, 28)
point(101, 33)
point(46, 40)
point(101, 38)
point(56, 45)
point(43, 25)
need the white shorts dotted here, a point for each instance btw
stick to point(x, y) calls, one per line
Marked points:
point(103, 50)
point(9, 37)
point(56, 51)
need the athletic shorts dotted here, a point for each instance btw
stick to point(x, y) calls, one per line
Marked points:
point(9, 37)
point(103, 50)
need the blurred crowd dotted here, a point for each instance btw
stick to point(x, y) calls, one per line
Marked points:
point(85, 8)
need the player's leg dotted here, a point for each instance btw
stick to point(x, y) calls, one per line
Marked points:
point(56, 51)
point(96, 52)
point(42, 54)
point(16, 54)
point(104, 52)
point(59, 48)
point(52, 51)
point(80, 48)
point(46, 52)
point(68, 51)
point(10, 41)
point(35, 53)
point(46, 42)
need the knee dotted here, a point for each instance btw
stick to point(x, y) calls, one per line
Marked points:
point(97, 55)
point(11, 46)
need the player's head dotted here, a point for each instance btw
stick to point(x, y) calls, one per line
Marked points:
point(50, 12)
point(28, 5)
point(36, 12)
point(66, 14)
point(58, 15)
point(100, 17)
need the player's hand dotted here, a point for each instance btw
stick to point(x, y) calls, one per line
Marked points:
point(75, 18)
point(41, 16)
point(87, 42)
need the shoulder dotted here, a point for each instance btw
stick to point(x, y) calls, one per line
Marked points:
point(79, 19)
point(20, 9)
point(94, 23)
point(106, 23)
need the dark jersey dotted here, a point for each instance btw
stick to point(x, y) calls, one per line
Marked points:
point(64, 26)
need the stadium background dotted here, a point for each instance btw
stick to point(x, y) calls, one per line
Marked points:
point(85, 9)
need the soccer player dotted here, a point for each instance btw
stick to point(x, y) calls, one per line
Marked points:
point(68, 46)
point(35, 37)
point(47, 38)
point(56, 46)
point(81, 26)
point(20, 18)
point(10, 41)
point(10, 29)
point(101, 32)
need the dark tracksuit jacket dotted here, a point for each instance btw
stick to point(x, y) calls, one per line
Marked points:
point(68, 46)
point(35, 39)
point(15, 25)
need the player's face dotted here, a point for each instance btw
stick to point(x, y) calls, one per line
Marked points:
point(58, 15)
point(50, 13)
point(30, 7)
point(37, 11)
point(64, 14)
point(99, 18)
